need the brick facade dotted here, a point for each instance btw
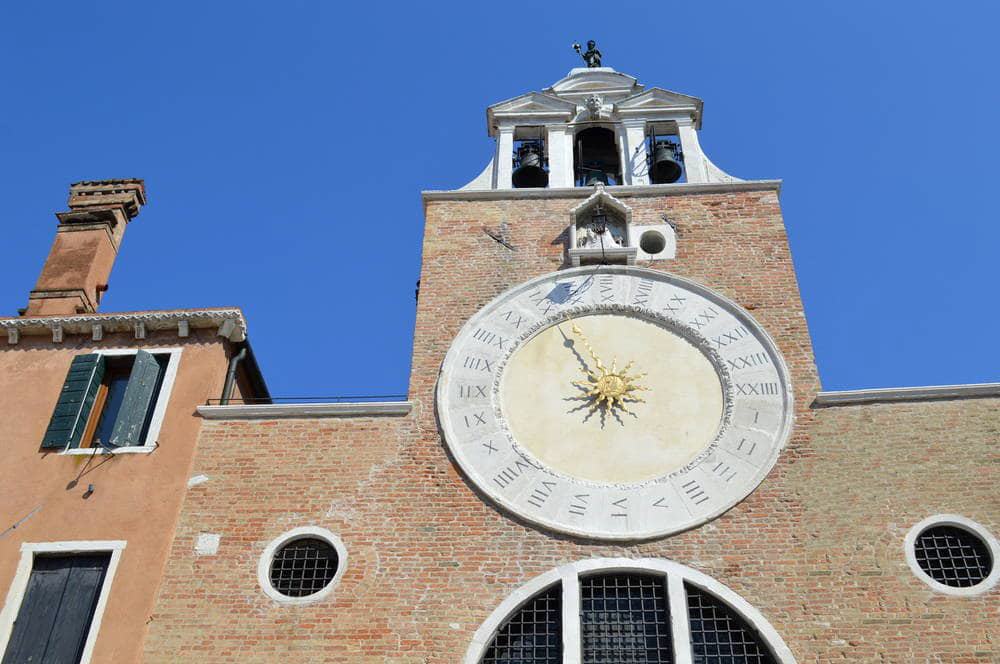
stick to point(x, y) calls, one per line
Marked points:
point(817, 548)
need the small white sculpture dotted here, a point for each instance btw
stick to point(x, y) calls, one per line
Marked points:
point(587, 237)
point(594, 104)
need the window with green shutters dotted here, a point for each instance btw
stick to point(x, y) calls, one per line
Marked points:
point(107, 401)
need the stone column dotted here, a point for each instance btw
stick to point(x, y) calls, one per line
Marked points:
point(635, 167)
point(694, 160)
point(559, 143)
point(505, 158)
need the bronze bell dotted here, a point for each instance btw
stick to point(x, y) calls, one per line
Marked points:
point(595, 177)
point(665, 168)
point(529, 172)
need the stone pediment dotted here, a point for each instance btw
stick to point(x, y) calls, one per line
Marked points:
point(530, 108)
point(600, 197)
point(604, 81)
point(659, 101)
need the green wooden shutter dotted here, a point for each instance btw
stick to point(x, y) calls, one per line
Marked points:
point(137, 401)
point(75, 402)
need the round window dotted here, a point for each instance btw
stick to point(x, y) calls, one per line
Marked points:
point(652, 242)
point(953, 555)
point(302, 565)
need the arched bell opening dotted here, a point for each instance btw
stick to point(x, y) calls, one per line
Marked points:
point(596, 157)
point(666, 159)
point(531, 164)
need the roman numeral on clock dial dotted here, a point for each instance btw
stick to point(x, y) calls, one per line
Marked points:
point(489, 338)
point(643, 291)
point(511, 472)
point(473, 391)
point(478, 363)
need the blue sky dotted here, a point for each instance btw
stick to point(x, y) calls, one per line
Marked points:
point(272, 135)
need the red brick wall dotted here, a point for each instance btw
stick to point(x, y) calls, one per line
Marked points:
point(817, 548)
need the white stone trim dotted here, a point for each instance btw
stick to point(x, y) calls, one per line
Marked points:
point(19, 585)
point(680, 628)
point(675, 575)
point(895, 394)
point(572, 643)
point(959, 522)
point(666, 231)
point(679, 189)
point(284, 411)
point(99, 451)
point(159, 410)
point(125, 322)
point(264, 564)
point(481, 639)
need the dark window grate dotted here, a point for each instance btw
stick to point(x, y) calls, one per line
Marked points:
point(624, 619)
point(303, 567)
point(719, 635)
point(953, 556)
point(533, 635)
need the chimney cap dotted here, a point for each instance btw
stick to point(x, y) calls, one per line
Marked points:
point(129, 193)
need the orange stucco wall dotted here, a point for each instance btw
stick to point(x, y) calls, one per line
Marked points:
point(136, 497)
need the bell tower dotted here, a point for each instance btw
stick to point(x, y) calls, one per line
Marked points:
point(596, 126)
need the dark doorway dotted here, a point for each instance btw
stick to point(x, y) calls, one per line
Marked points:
point(58, 607)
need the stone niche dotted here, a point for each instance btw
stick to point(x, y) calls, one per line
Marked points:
point(601, 232)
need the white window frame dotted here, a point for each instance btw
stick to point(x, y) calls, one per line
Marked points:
point(674, 574)
point(909, 547)
point(19, 586)
point(266, 558)
point(159, 410)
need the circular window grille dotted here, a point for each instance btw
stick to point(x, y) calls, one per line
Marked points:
point(303, 567)
point(953, 556)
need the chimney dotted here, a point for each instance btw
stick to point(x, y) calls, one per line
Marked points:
point(75, 274)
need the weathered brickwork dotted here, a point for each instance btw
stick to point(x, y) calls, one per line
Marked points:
point(817, 548)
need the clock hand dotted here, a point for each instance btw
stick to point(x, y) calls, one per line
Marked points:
point(586, 344)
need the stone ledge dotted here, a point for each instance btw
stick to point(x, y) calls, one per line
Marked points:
point(904, 394)
point(284, 411)
point(230, 323)
point(619, 190)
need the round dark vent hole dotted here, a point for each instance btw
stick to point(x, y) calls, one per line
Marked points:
point(652, 242)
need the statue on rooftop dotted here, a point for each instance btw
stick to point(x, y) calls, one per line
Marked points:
point(592, 57)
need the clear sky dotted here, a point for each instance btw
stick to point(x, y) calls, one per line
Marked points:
point(284, 146)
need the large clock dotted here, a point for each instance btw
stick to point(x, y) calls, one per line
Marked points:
point(614, 402)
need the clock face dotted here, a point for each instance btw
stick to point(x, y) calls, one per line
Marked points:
point(614, 402)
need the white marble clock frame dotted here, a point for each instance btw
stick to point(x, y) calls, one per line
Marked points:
point(472, 421)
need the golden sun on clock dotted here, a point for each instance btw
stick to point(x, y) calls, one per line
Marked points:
point(664, 427)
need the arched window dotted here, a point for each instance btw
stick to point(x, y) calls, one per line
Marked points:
point(617, 610)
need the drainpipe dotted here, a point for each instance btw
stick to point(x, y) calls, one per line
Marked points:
point(227, 388)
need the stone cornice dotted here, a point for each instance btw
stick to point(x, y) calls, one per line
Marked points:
point(584, 192)
point(905, 394)
point(230, 323)
point(285, 411)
